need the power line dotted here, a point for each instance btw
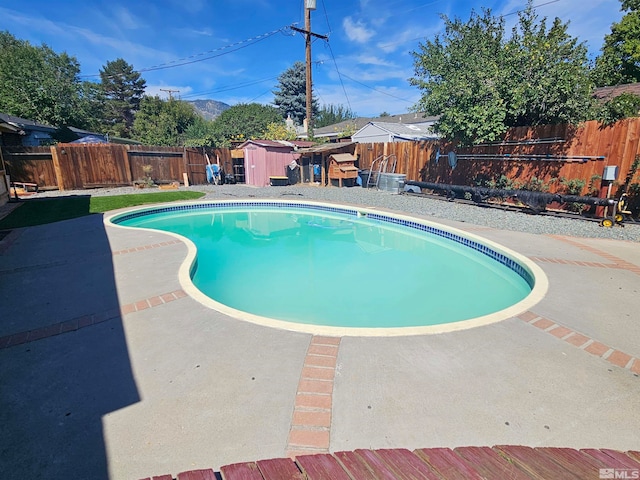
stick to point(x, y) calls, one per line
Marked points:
point(533, 6)
point(339, 74)
point(185, 61)
point(326, 16)
point(376, 90)
point(226, 88)
point(263, 93)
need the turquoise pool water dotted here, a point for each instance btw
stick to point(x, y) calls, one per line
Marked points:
point(334, 269)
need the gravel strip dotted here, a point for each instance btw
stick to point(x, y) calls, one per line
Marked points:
point(485, 217)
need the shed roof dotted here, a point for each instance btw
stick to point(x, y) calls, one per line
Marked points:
point(276, 143)
point(343, 157)
point(326, 147)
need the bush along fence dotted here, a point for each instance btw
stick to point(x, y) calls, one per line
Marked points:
point(80, 166)
point(556, 159)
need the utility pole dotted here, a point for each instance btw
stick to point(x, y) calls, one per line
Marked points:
point(169, 92)
point(309, 5)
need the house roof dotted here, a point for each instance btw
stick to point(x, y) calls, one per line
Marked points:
point(82, 133)
point(25, 123)
point(607, 93)
point(358, 123)
point(6, 127)
point(405, 131)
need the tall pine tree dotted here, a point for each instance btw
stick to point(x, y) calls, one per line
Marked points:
point(291, 94)
point(123, 89)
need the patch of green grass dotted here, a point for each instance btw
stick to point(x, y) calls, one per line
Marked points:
point(104, 204)
point(47, 210)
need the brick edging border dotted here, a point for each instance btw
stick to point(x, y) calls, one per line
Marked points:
point(311, 421)
point(583, 342)
point(617, 262)
point(77, 323)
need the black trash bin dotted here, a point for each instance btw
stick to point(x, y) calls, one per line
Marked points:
point(293, 174)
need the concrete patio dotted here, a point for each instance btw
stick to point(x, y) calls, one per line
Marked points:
point(109, 370)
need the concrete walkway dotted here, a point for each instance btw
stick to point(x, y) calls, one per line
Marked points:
point(109, 370)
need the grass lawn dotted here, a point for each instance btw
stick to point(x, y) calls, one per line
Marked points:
point(47, 210)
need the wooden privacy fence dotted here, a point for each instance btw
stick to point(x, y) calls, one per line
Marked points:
point(79, 166)
point(411, 157)
point(547, 153)
point(30, 164)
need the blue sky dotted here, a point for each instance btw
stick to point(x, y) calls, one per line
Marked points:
point(233, 51)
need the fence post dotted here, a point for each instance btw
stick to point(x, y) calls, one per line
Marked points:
point(127, 164)
point(57, 168)
point(187, 171)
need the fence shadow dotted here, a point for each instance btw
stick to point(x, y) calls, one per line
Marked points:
point(56, 391)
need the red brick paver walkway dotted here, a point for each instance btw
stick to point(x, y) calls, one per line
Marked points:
point(311, 423)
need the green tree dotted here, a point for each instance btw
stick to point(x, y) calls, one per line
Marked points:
point(242, 121)
point(200, 133)
point(460, 73)
point(481, 83)
point(291, 94)
point(548, 79)
point(619, 61)
point(623, 106)
point(332, 114)
point(163, 122)
point(279, 131)
point(90, 107)
point(37, 83)
point(123, 89)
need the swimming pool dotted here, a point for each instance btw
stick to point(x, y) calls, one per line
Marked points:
point(325, 268)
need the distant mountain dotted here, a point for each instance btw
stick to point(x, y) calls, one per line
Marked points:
point(209, 109)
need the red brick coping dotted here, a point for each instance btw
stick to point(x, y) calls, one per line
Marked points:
point(514, 462)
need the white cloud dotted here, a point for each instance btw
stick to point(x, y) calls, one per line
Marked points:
point(367, 68)
point(409, 36)
point(356, 31)
point(83, 36)
point(153, 90)
point(36, 23)
point(370, 103)
point(365, 59)
point(191, 6)
point(126, 19)
point(193, 32)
